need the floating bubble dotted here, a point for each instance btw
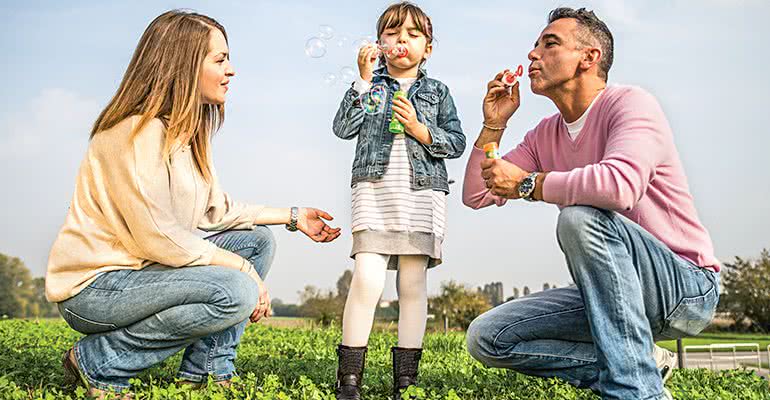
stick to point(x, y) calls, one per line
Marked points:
point(315, 47)
point(373, 101)
point(330, 79)
point(359, 43)
point(342, 41)
point(347, 75)
point(325, 32)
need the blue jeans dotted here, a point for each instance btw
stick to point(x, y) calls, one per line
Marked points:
point(136, 319)
point(630, 290)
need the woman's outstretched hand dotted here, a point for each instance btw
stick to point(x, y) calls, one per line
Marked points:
point(311, 223)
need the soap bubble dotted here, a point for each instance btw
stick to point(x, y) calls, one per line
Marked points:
point(342, 41)
point(315, 47)
point(325, 32)
point(373, 101)
point(347, 75)
point(396, 51)
point(359, 43)
point(330, 79)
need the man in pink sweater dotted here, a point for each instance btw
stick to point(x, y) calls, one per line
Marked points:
point(642, 263)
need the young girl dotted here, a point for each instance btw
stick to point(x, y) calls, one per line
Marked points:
point(399, 188)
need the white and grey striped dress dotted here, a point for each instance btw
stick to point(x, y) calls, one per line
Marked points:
point(388, 217)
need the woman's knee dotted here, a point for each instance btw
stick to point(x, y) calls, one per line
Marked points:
point(237, 295)
point(264, 249)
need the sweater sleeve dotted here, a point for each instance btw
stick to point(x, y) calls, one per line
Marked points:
point(638, 140)
point(475, 193)
point(223, 213)
point(138, 184)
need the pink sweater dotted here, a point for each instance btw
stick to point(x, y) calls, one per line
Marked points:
point(624, 159)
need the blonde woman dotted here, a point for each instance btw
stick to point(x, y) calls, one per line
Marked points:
point(127, 268)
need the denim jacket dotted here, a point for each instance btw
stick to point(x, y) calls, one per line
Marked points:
point(435, 108)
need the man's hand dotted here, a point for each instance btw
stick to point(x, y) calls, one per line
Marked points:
point(311, 222)
point(263, 308)
point(500, 101)
point(502, 178)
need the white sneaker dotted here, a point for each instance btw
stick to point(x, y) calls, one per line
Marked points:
point(666, 361)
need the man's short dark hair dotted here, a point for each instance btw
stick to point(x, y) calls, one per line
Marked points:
point(594, 32)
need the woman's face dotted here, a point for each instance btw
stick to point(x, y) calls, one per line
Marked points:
point(216, 70)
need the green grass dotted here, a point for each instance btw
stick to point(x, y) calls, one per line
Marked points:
point(711, 338)
point(299, 363)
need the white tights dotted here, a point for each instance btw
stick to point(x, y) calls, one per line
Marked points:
point(366, 289)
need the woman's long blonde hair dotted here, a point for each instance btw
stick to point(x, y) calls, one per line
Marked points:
point(161, 81)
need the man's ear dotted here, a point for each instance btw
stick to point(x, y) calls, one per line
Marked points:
point(591, 56)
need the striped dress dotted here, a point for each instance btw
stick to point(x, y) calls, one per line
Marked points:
point(388, 217)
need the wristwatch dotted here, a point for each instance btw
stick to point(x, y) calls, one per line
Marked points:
point(292, 225)
point(527, 187)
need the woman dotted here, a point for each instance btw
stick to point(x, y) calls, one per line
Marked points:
point(127, 268)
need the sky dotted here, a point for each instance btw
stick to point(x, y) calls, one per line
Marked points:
point(705, 62)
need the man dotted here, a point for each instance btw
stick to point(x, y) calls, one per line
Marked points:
point(642, 263)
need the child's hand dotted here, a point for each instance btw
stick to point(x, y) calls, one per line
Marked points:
point(405, 113)
point(367, 56)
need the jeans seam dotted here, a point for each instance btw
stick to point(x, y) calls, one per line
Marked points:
point(210, 356)
point(91, 380)
point(509, 326)
point(614, 276)
point(552, 356)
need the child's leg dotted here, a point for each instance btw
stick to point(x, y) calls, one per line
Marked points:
point(365, 291)
point(412, 300)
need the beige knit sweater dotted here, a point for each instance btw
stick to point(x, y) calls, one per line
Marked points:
point(130, 209)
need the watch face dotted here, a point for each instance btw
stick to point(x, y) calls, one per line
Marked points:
point(525, 187)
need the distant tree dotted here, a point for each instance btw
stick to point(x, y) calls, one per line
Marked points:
point(546, 286)
point(746, 293)
point(526, 291)
point(515, 293)
point(458, 304)
point(343, 284)
point(323, 306)
point(16, 287)
point(281, 309)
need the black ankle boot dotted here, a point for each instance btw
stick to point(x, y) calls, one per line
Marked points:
point(350, 372)
point(405, 365)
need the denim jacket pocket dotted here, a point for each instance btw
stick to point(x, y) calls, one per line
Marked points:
point(427, 104)
point(691, 315)
point(83, 325)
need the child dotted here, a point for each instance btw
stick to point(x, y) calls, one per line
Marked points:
point(399, 188)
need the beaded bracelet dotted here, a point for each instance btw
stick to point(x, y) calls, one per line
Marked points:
point(493, 128)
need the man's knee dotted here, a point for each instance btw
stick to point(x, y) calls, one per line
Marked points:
point(578, 225)
point(479, 339)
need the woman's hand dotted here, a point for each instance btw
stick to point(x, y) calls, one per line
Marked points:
point(311, 222)
point(263, 308)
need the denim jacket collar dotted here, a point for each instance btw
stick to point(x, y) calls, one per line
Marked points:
point(383, 73)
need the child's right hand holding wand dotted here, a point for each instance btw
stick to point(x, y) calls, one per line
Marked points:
point(367, 56)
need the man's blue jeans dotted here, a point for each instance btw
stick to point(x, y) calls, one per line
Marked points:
point(135, 319)
point(630, 290)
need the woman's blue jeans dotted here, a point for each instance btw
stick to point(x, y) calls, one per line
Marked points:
point(630, 290)
point(136, 319)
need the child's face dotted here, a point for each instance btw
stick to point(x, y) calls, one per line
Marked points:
point(415, 42)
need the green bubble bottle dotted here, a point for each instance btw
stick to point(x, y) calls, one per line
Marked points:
point(395, 125)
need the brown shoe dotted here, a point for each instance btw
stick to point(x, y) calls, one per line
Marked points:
point(73, 377)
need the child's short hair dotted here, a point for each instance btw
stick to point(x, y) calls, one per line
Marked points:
point(395, 15)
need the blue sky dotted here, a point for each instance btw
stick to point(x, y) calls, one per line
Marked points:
point(705, 61)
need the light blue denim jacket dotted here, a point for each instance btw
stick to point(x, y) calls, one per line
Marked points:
point(435, 108)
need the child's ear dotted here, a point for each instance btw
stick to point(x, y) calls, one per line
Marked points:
point(428, 51)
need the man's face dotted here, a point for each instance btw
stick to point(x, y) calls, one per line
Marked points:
point(555, 58)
